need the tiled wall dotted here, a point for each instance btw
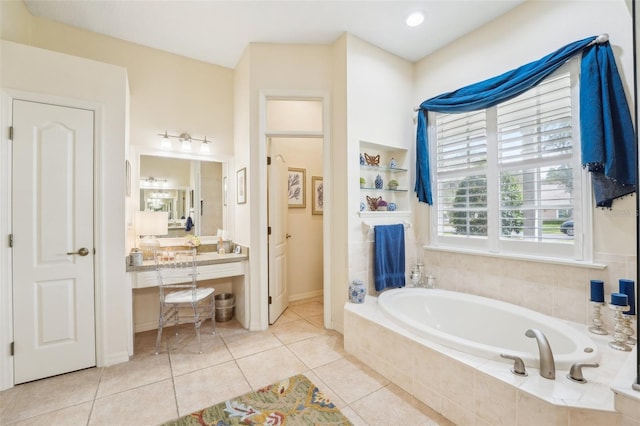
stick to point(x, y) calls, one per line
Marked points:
point(557, 290)
point(361, 255)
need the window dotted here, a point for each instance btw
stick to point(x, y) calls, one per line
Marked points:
point(509, 178)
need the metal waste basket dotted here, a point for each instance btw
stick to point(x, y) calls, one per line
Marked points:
point(224, 306)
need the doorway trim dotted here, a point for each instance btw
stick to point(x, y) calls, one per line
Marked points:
point(263, 259)
point(6, 261)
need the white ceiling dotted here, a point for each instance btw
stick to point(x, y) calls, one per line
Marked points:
point(217, 31)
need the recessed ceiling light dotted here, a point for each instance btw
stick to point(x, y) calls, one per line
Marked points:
point(415, 19)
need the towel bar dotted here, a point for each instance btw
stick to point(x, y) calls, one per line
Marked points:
point(367, 226)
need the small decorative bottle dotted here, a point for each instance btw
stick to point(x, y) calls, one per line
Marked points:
point(357, 291)
point(416, 276)
point(431, 281)
point(378, 182)
point(361, 160)
point(393, 164)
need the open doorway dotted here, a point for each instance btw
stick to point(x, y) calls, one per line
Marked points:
point(303, 222)
point(294, 128)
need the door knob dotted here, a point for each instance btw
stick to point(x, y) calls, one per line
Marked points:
point(288, 236)
point(82, 252)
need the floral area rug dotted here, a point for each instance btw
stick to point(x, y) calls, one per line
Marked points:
point(293, 401)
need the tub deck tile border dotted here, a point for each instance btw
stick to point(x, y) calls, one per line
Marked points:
point(562, 403)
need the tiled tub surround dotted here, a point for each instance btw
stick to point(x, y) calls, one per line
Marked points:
point(552, 288)
point(470, 390)
point(495, 328)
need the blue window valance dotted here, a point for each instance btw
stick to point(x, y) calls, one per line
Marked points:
point(608, 140)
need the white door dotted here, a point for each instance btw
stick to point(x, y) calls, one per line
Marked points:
point(278, 202)
point(53, 271)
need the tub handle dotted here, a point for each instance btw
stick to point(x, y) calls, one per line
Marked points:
point(575, 373)
point(518, 365)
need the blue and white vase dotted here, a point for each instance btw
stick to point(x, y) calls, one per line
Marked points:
point(361, 160)
point(391, 207)
point(379, 182)
point(357, 291)
point(393, 164)
point(362, 206)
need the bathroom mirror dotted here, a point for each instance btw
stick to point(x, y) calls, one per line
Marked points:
point(184, 188)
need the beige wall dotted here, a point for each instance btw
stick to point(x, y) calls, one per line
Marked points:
point(174, 93)
point(168, 92)
point(265, 69)
point(15, 22)
point(381, 114)
point(45, 76)
point(510, 41)
point(340, 160)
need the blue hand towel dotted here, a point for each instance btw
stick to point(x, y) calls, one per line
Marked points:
point(389, 256)
point(189, 224)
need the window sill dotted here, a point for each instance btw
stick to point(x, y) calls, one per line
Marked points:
point(523, 257)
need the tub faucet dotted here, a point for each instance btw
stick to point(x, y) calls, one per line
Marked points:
point(547, 364)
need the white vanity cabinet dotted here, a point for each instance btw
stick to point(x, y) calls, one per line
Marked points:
point(225, 273)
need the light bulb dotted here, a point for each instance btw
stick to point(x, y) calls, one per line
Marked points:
point(415, 19)
point(165, 142)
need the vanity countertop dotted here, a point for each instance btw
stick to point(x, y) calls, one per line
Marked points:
point(208, 258)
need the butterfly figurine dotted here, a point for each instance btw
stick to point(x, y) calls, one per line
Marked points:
point(372, 160)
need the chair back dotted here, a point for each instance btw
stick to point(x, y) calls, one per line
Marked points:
point(176, 269)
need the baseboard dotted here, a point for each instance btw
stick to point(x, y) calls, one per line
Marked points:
point(115, 358)
point(145, 326)
point(302, 296)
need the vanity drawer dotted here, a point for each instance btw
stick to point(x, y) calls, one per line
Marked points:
point(205, 272)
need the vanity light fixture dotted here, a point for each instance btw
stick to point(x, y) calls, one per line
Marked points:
point(153, 182)
point(165, 142)
point(204, 147)
point(415, 19)
point(185, 141)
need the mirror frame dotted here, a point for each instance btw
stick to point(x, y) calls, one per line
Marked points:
point(134, 206)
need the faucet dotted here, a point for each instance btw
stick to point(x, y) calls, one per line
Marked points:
point(575, 373)
point(547, 364)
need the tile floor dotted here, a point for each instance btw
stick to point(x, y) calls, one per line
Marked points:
point(152, 389)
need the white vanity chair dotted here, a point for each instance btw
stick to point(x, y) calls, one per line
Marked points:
point(177, 280)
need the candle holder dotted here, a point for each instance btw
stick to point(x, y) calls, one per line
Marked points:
point(619, 336)
point(627, 324)
point(596, 319)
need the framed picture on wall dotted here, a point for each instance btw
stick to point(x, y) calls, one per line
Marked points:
point(317, 190)
point(241, 186)
point(296, 187)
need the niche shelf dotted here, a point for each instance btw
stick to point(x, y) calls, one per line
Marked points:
point(398, 195)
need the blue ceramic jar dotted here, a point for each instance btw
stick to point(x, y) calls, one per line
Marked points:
point(357, 291)
point(379, 182)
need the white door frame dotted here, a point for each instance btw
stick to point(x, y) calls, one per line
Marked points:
point(262, 258)
point(6, 284)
